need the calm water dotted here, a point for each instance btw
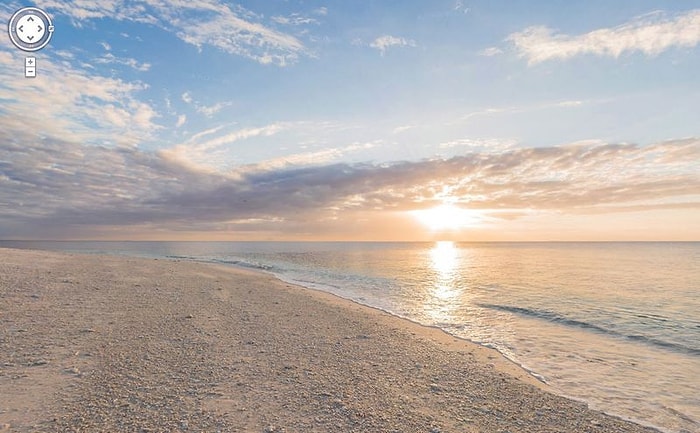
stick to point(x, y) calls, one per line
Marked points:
point(614, 324)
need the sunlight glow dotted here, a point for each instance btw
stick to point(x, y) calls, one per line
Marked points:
point(447, 217)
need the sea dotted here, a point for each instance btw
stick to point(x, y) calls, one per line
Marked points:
point(616, 325)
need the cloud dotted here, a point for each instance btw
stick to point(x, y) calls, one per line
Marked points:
point(10, 6)
point(50, 187)
point(241, 134)
point(207, 110)
point(294, 19)
point(310, 158)
point(572, 103)
point(484, 145)
point(212, 109)
point(490, 52)
point(650, 34)
point(489, 112)
point(202, 134)
point(73, 104)
point(6, 58)
point(214, 23)
point(461, 7)
point(205, 155)
point(181, 119)
point(403, 128)
point(383, 43)
point(493, 111)
point(110, 58)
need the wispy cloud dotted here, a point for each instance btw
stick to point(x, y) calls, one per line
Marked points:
point(488, 112)
point(572, 103)
point(403, 128)
point(483, 145)
point(650, 34)
point(295, 19)
point(205, 155)
point(231, 29)
point(241, 134)
point(461, 7)
point(493, 111)
point(318, 157)
point(383, 43)
point(110, 58)
point(210, 110)
point(207, 110)
point(490, 52)
point(195, 138)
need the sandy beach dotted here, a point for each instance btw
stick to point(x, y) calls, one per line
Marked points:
point(113, 344)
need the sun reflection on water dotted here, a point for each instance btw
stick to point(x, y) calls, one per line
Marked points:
point(443, 257)
point(443, 297)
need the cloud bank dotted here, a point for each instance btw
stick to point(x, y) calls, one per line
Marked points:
point(54, 188)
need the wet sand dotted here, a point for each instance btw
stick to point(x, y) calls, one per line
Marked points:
point(112, 344)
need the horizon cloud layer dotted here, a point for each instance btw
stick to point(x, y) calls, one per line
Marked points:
point(57, 188)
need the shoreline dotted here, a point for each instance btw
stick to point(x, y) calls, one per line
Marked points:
point(502, 363)
point(120, 343)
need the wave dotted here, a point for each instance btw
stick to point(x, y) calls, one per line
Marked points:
point(235, 262)
point(245, 264)
point(562, 320)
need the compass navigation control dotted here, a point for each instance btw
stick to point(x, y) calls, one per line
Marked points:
point(30, 29)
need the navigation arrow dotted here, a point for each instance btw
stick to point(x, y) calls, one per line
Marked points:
point(30, 37)
point(21, 28)
point(30, 19)
point(39, 29)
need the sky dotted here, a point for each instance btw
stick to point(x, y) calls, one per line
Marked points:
point(354, 120)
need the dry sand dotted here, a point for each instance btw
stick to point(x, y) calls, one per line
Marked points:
point(109, 344)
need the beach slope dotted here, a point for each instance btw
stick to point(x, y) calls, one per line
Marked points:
point(114, 344)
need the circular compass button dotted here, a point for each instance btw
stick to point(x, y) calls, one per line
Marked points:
point(30, 29)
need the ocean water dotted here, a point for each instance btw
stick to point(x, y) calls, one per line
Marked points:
point(616, 325)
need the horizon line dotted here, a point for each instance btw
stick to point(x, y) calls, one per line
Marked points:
point(359, 241)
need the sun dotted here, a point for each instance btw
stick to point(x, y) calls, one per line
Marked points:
point(446, 217)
